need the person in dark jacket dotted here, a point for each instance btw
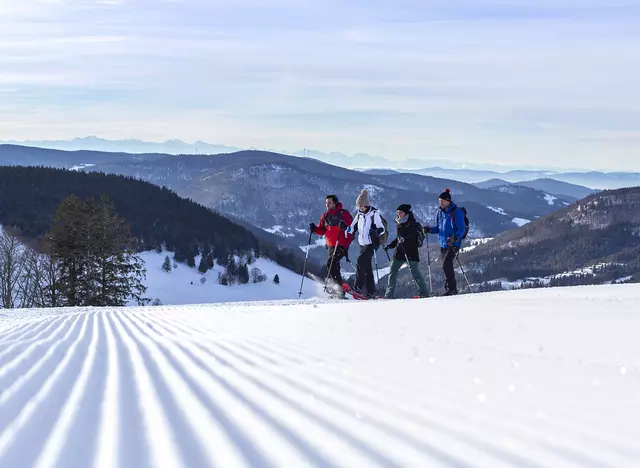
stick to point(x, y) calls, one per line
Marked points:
point(332, 225)
point(406, 245)
point(450, 228)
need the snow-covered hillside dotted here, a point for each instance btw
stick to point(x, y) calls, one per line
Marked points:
point(182, 285)
point(536, 378)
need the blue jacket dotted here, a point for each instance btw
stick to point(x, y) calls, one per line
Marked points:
point(447, 227)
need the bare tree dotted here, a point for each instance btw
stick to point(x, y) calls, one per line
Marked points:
point(28, 275)
point(30, 282)
point(50, 274)
point(11, 267)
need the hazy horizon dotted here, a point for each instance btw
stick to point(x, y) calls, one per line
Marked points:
point(545, 83)
point(135, 145)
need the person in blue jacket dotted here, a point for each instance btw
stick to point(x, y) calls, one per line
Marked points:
point(450, 228)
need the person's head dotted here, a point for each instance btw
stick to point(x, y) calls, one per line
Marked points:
point(362, 201)
point(331, 201)
point(403, 210)
point(445, 199)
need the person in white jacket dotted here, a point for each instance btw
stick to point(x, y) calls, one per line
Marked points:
point(368, 225)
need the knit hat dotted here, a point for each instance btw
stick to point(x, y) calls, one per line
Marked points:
point(446, 195)
point(363, 198)
point(405, 208)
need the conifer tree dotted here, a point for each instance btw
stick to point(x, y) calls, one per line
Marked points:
point(93, 248)
point(166, 266)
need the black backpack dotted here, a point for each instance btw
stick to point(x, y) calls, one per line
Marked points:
point(466, 221)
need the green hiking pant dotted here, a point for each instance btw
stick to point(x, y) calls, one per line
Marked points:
point(423, 291)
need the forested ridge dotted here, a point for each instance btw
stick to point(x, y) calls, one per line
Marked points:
point(157, 216)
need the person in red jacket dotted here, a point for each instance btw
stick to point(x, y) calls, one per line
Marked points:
point(332, 225)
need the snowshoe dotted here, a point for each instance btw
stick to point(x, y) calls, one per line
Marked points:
point(356, 294)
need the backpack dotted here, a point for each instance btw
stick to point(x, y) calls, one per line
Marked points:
point(384, 237)
point(466, 221)
point(334, 219)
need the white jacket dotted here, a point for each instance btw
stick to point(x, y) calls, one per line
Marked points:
point(365, 222)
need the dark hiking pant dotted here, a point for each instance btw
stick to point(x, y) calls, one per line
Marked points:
point(423, 291)
point(333, 263)
point(448, 256)
point(364, 270)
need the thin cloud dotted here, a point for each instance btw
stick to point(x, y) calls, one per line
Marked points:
point(475, 79)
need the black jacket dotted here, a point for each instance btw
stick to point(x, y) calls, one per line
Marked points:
point(408, 231)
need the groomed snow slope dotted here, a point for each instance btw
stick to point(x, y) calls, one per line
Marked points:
point(536, 378)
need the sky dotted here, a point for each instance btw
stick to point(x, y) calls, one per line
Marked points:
point(550, 82)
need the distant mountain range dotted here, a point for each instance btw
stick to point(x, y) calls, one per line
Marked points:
point(174, 146)
point(94, 143)
point(594, 179)
point(551, 186)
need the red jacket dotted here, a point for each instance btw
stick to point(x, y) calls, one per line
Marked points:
point(328, 226)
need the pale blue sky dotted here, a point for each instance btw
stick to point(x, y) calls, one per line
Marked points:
point(474, 80)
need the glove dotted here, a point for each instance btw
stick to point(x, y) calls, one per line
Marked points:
point(400, 239)
point(426, 230)
point(349, 229)
point(342, 225)
point(451, 241)
point(375, 232)
point(312, 227)
point(385, 247)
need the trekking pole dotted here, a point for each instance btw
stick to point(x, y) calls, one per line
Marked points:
point(375, 261)
point(304, 268)
point(429, 264)
point(463, 273)
point(326, 280)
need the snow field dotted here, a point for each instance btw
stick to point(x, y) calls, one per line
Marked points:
point(182, 285)
point(535, 378)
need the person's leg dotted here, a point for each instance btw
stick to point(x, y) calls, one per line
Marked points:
point(423, 290)
point(369, 281)
point(393, 277)
point(448, 256)
point(333, 266)
point(336, 274)
point(361, 268)
point(330, 261)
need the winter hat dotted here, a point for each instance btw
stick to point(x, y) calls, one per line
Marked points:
point(405, 208)
point(363, 198)
point(446, 195)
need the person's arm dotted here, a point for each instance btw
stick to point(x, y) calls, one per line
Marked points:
point(319, 229)
point(353, 227)
point(433, 229)
point(348, 220)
